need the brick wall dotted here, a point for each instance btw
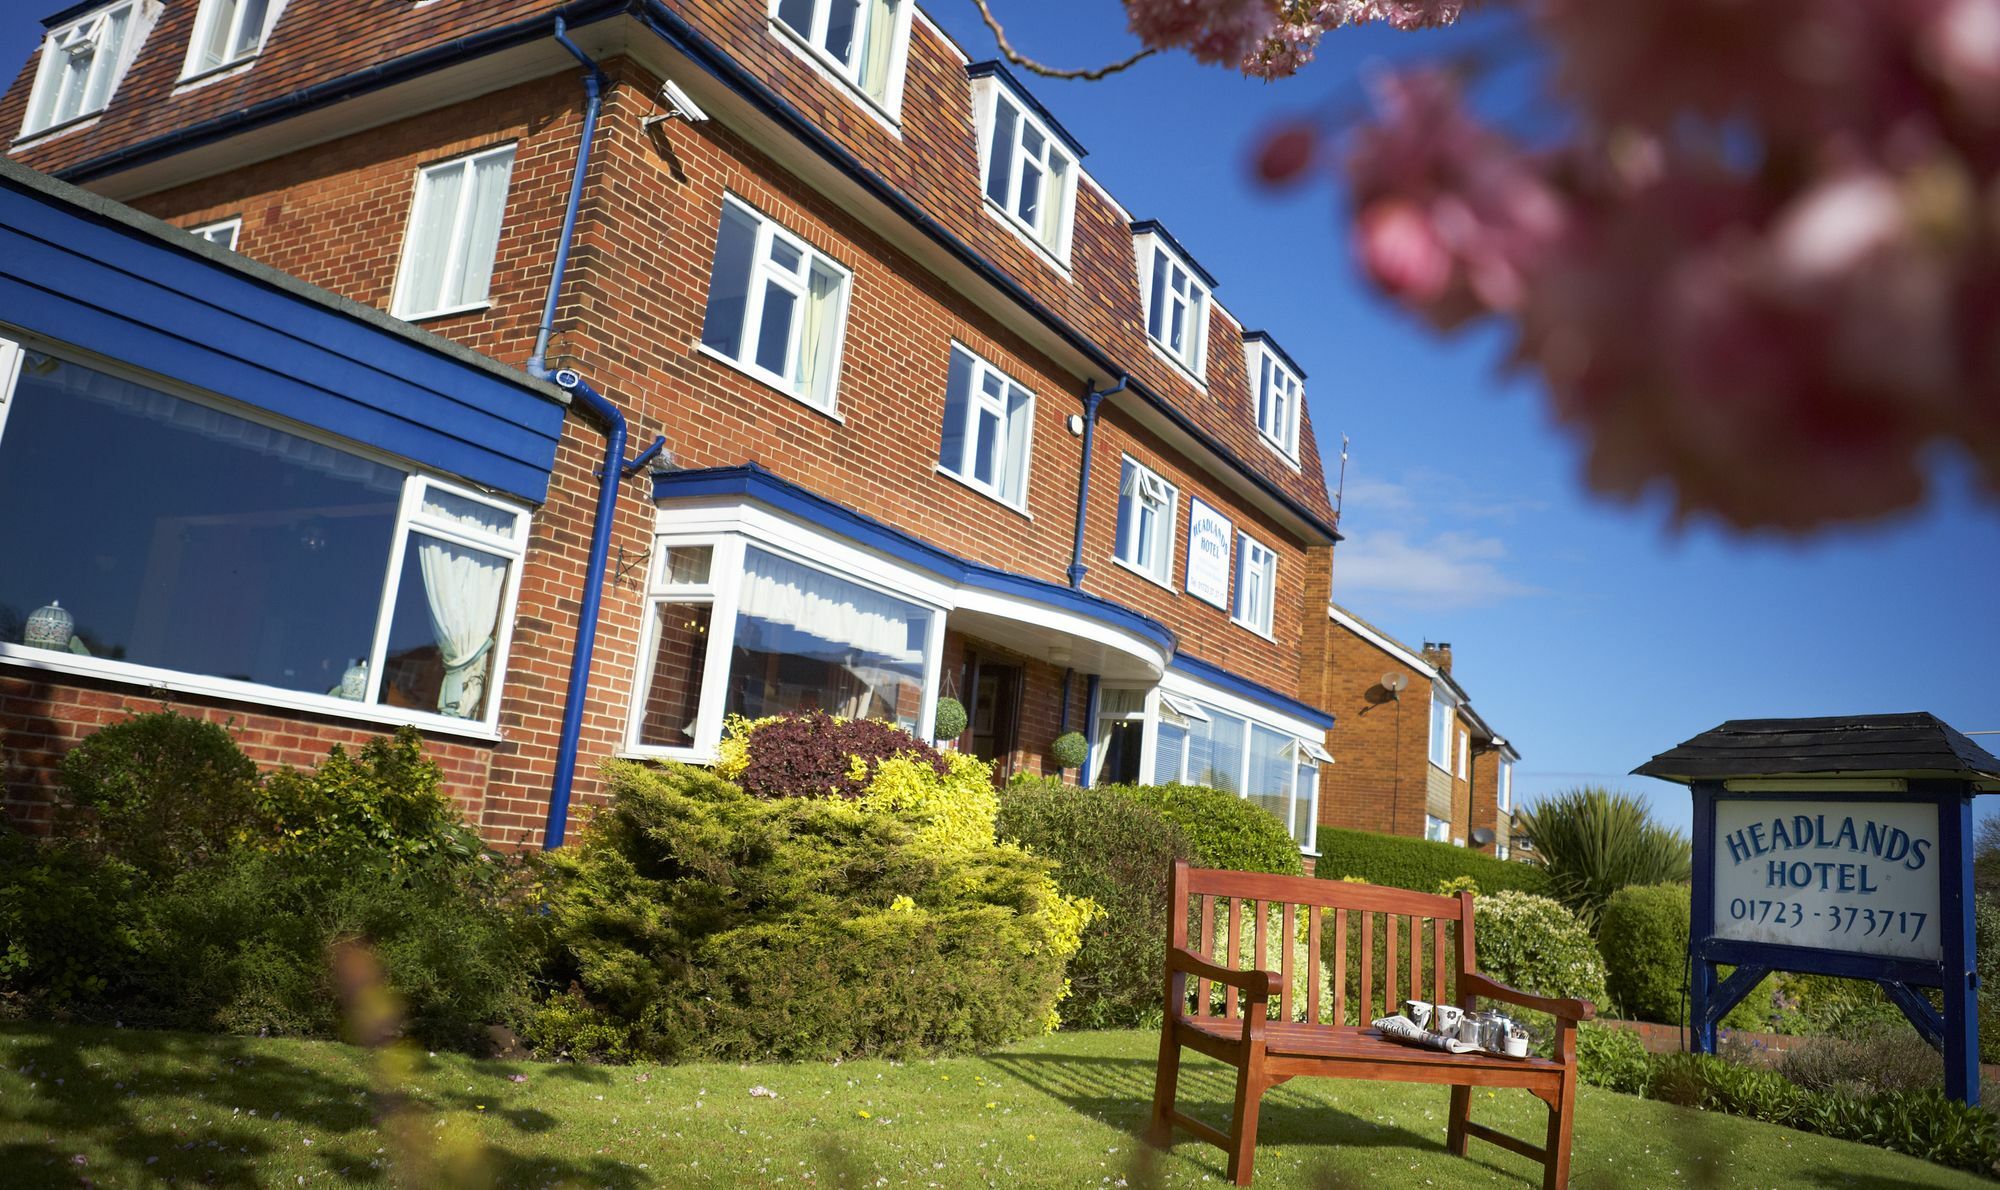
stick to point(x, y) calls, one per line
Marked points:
point(1379, 744)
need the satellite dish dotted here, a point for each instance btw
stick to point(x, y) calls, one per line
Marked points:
point(1481, 836)
point(1394, 682)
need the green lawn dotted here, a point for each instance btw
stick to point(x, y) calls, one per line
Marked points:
point(120, 1107)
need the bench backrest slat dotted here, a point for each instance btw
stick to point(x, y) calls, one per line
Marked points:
point(1389, 929)
point(1367, 964)
point(1340, 966)
point(1235, 956)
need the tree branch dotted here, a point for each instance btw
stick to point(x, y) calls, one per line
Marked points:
point(1029, 64)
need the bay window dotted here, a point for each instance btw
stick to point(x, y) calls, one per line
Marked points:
point(1200, 744)
point(1256, 578)
point(861, 42)
point(454, 234)
point(229, 31)
point(1028, 169)
point(776, 306)
point(988, 420)
point(1147, 508)
point(261, 563)
point(83, 61)
point(737, 627)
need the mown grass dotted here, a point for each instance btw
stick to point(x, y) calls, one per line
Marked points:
point(120, 1107)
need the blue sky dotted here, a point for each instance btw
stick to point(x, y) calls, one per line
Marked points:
point(1591, 634)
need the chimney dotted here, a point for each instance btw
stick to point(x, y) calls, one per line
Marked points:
point(1438, 655)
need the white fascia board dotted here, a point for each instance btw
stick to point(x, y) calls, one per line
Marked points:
point(1386, 644)
point(1179, 684)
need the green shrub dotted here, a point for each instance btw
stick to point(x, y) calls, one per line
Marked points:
point(948, 723)
point(1418, 864)
point(1829, 1005)
point(1643, 936)
point(1614, 1059)
point(1118, 853)
point(1875, 1058)
point(388, 802)
point(1070, 750)
point(693, 920)
point(1594, 842)
point(160, 792)
point(1986, 925)
point(1534, 944)
point(1225, 831)
point(813, 754)
point(1920, 1123)
point(66, 920)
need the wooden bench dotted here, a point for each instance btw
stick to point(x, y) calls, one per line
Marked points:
point(1268, 1047)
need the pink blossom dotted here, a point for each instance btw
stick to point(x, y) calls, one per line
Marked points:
point(1287, 152)
point(1214, 31)
point(1403, 253)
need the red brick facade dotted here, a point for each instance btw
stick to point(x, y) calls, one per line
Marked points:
point(630, 316)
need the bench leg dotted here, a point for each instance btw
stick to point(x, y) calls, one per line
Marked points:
point(1243, 1124)
point(1555, 1166)
point(1166, 1085)
point(1456, 1139)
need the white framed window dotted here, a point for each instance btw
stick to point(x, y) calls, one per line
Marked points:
point(1027, 169)
point(742, 626)
point(222, 232)
point(1437, 830)
point(270, 564)
point(988, 428)
point(1280, 394)
point(1147, 509)
point(1118, 748)
point(777, 307)
point(862, 43)
point(1199, 744)
point(1256, 581)
point(1501, 852)
point(1464, 754)
point(1174, 293)
point(1443, 723)
point(454, 234)
point(83, 61)
point(227, 32)
point(1506, 786)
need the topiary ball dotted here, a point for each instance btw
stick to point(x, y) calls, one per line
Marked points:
point(1070, 750)
point(950, 721)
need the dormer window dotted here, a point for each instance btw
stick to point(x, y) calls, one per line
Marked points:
point(1278, 388)
point(1174, 291)
point(1027, 162)
point(82, 63)
point(860, 42)
point(229, 31)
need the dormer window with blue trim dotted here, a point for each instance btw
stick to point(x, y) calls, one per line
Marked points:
point(228, 32)
point(862, 43)
point(1028, 163)
point(1278, 390)
point(1174, 292)
point(83, 62)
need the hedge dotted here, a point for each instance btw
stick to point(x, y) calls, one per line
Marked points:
point(1419, 864)
point(1225, 831)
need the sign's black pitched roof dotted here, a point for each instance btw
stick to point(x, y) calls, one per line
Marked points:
point(1915, 743)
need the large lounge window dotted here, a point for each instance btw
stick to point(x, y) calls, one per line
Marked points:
point(1147, 507)
point(1203, 745)
point(860, 41)
point(987, 422)
point(776, 306)
point(229, 31)
point(82, 63)
point(1027, 173)
point(252, 562)
point(454, 234)
point(740, 629)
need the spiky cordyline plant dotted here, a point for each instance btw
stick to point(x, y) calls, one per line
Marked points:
point(1594, 842)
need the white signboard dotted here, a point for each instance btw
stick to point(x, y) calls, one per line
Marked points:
point(1209, 535)
point(1851, 876)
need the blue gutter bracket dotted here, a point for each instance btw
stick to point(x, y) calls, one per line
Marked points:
point(1092, 398)
point(594, 81)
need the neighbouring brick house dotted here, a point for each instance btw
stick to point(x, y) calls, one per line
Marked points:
point(939, 415)
point(1415, 757)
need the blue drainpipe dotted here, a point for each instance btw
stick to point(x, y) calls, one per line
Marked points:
point(1091, 400)
point(615, 467)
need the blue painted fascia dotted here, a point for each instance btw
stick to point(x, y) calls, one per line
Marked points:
point(980, 70)
point(752, 481)
point(1215, 675)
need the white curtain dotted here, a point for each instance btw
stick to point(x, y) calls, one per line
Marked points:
point(462, 587)
point(482, 237)
point(816, 337)
point(876, 51)
point(430, 237)
point(785, 593)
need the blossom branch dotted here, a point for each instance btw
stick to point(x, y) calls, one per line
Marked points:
point(1021, 60)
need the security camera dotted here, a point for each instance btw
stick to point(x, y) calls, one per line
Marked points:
point(679, 103)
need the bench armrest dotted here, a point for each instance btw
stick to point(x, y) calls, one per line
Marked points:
point(1258, 985)
point(1474, 984)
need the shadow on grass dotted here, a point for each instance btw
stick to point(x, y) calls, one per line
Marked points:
point(114, 1098)
point(1118, 1092)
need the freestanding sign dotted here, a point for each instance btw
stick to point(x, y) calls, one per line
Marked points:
point(1837, 847)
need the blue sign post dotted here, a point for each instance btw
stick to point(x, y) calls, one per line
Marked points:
point(1842, 847)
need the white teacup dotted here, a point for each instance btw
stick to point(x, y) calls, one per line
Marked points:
point(1517, 1045)
point(1448, 1016)
point(1418, 1011)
